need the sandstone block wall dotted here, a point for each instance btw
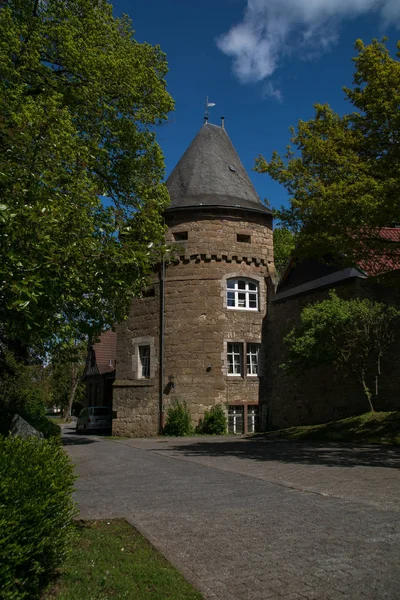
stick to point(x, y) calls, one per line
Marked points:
point(214, 233)
point(320, 394)
point(198, 324)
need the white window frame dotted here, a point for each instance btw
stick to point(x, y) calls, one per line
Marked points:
point(144, 361)
point(242, 296)
point(252, 418)
point(252, 359)
point(234, 355)
point(236, 415)
point(242, 359)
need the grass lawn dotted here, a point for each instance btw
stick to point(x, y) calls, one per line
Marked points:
point(111, 560)
point(369, 428)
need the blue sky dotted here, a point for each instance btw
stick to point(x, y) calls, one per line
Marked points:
point(263, 62)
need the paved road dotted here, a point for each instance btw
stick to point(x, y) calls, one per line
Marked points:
point(251, 519)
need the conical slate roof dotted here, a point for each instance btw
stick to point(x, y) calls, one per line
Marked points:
point(210, 173)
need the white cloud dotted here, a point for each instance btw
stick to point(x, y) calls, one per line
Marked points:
point(272, 29)
point(270, 89)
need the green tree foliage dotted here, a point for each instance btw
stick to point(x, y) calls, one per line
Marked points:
point(214, 421)
point(31, 388)
point(36, 510)
point(179, 421)
point(67, 368)
point(79, 100)
point(352, 335)
point(284, 244)
point(25, 389)
point(343, 172)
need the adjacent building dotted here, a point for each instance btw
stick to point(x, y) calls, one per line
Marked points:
point(324, 394)
point(99, 372)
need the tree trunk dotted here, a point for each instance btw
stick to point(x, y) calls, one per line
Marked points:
point(74, 384)
point(366, 391)
point(378, 373)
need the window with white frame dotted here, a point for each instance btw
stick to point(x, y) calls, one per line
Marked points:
point(236, 351)
point(252, 419)
point(144, 362)
point(242, 294)
point(234, 356)
point(252, 351)
point(235, 419)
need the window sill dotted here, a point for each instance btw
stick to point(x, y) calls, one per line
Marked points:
point(240, 378)
point(242, 309)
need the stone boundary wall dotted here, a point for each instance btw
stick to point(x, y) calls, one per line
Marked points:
point(322, 394)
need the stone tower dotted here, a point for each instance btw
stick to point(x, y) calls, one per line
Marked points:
point(202, 318)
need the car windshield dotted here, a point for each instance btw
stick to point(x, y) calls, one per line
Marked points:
point(101, 412)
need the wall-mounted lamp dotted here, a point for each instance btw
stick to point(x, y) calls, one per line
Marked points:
point(171, 382)
point(208, 369)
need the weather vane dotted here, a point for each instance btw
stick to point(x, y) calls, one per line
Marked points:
point(208, 105)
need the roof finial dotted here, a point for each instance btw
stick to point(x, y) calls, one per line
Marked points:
point(208, 105)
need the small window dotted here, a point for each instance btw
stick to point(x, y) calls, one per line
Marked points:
point(252, 419)
point(234, 356)
point(180, 236)
point(235, 419)
point(252, 351)
point(144, 362)
point(242, 237)
point(242, 294)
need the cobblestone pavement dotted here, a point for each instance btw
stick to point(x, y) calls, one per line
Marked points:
point(247, 519)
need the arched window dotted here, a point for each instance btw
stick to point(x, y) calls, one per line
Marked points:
point(242, 294)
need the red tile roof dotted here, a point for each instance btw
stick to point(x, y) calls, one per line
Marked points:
point(390, 261)
point(106, 352)
point(391, 233)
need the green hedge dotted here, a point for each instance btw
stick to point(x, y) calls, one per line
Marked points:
point(33, 410)
point(36, 510)
point(49, 429)
point(213, 422)
point(178, 421)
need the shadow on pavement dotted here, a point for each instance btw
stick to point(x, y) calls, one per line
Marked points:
point(71, 438)
point(329, 454)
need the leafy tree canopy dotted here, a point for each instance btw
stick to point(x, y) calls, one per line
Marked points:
point(352, 335)
point(24, 389)
point(284, 244)
point(343, 172)
point(66, 380)
point(79, 99)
